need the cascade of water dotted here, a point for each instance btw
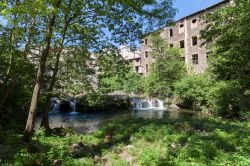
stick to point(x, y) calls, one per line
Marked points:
point(72, 106)
point(150, 103)
point(56, 107)
point(160, 103)
point(138, 105)
point(147, 104)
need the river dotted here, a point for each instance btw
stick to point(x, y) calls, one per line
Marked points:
point(90, 122)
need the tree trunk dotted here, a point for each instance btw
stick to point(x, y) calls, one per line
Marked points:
point(45, 120)
point(40, 73)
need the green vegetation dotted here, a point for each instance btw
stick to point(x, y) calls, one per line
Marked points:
point(225, 89)
point(186, 141)
point(166, 70)
point(45, 51)
point(193, 90)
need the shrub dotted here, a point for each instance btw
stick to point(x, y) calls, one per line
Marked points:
point(227, 99)
point(192, 90)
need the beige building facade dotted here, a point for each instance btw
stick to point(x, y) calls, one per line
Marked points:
point(184, 34)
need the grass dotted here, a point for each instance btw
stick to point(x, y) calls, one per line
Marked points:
point(190, 141)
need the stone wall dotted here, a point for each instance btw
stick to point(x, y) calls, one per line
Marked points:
point(184, 30)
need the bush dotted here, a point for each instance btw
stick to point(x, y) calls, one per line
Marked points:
point(192, 90)
point(227, 99)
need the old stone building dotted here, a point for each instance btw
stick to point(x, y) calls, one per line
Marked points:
point(185, 34)
point(133, 56)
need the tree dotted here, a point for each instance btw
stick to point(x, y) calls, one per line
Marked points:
point(167, 68)
point(228, 36)
point(122, 18)
point(112, 71)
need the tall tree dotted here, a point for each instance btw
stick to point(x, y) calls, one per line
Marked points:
point(166, 70)
point(41, 68)
point(87, 23)
point(228, 36)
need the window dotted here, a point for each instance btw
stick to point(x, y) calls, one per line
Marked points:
point(137, 69)
point(182, 44)
point(146, 67)
point(137, 60)
point(194, 23)
point(208, 55)
point(183, 59)
point(171, 45)
point(181, 29)
point(146, 54)
point(194, 40)
point(146, 42)
point(195, 59)
point(170, 32)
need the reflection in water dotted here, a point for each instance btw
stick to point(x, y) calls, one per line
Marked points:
point(90, 122)
point(149, 114)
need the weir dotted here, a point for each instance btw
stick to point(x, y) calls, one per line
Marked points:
point(144, 104)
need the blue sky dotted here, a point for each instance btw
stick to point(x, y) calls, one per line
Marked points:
point(186, 7)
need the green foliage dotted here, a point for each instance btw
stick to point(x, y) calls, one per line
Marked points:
point(167, 68)
point(133, 83)
point(151, 157)
point(226, 99)
point(193, 90)
point(112, 70)
point(228, 35)
point(189, 141)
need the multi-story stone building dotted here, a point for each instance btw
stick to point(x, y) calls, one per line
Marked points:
point(133, 56)
point(185, 34)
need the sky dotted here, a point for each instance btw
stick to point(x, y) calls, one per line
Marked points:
point(186, 7)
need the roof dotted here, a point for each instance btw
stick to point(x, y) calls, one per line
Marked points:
point(203, 10)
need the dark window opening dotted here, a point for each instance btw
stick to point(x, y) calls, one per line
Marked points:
point(194, 40)
point(137, 60)
point(182, 25)
point(146, 68)
point(137, 69)
point(183, 59)
point(146, 54)
point(195, 59)
point(146, 42)
point(182, 44)
point(171, 32)
point(208, 55)
point(194, 21)
point(171, 45)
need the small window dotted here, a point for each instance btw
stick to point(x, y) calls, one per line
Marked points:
point(194, 21)
point(208, 55)
point(170, 32)
point(182, 44)
point(146, 42)
point(137, 69)
point(183, 59)
point(146, 67)
point(137, 60)
point(195, 59)
point(181, 29)
point(146, 54)
point(171, 45)
point(194, 40)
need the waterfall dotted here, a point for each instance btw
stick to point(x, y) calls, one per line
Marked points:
point(143, 104)
point(56, 107)
point(72, 106)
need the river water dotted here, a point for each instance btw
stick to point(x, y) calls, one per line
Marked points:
point(90, 122)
